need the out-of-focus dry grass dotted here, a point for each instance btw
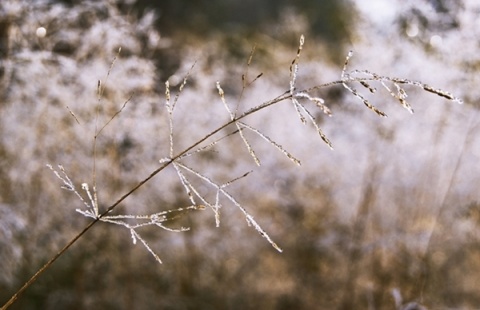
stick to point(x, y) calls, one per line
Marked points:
point(394, 206)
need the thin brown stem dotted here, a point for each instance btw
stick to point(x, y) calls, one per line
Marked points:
point(46, 266)
point(134, 189)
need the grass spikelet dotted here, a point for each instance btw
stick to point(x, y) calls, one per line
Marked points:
point(319, 102)
point(221, 93)
point(319, 131)
point(275, 144)
point(297, 105)
point(354, 92)
point(367, 86)
point(167, 94)
point(345, 64)
point(441, 93)
point(249, 147)
point(293, 66)
point(186, 185)
point(245, 82)
point(401, 95)
point(72, 114)
point(293, 79)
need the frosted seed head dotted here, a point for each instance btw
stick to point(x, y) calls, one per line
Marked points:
point(302, 40)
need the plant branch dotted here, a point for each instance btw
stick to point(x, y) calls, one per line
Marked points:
point(134, 189)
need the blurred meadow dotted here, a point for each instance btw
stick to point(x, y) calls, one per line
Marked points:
point(394, 207)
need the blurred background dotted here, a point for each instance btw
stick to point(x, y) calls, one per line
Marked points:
point(395, 205)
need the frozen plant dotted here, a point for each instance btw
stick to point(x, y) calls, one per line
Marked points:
point(303, 101)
